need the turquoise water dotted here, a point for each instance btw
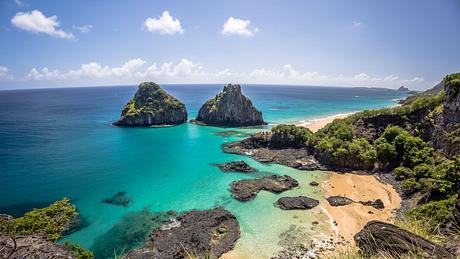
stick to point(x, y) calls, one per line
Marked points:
point(59, 142)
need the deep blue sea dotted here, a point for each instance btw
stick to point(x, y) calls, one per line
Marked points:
point(58, 143)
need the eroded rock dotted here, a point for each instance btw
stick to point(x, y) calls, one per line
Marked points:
point(236, 166)
point(35, 246)
point(151, 106)
point(248, 189)
point(339, 201)
point(296, 203)
point(377, 236)
point(209, 232)
point(229, 108)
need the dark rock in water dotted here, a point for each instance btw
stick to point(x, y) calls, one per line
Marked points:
point(378, 203)
point(378, 236)
point(236, 166)
point(129, 233)
point(151, 106)
point(229, 108)
point(119, 199)
point(245, 190)
point(296, 203)
point(32, 246)
point(203, 233)
point(232, 133)
point(339, 201)
point(314, 183)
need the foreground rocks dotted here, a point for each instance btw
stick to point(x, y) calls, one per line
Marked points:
point(236, 166)
point(296, 203)
point(32, 246)
point(245, 190)
point(229, 108)
point(201, 233)
point(151, 106)
point(378, 236)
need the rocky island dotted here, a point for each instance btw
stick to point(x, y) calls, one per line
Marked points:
point(152, 106)
point(230, 108)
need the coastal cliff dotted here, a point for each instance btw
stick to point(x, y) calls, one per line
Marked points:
point(150, 106)
point(229, 108)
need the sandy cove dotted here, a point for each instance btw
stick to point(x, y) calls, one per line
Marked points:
point(318, 123)
point(350, 219)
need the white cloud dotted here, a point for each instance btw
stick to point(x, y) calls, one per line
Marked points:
point(36, 22)
point(187, 71)
point(356, 24)
point(3, 72)
point(164, 24)
point(83, 29)
point(20, 3)
point(235, 26)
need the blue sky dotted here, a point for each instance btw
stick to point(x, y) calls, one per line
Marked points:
point(338, 43)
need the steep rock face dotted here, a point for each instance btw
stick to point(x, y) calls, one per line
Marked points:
point(32, 246)
point(446, 135)
point(151, 105)
point(230, 108)
point(378, 236)
point(203, 233)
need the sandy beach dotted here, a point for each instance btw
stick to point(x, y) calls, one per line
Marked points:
point(351, 218)
point(316, 124)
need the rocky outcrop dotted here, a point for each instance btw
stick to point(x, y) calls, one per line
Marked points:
point(152, 106)
point(245, 190)
point(296, 203)
point(378, 236)
point(119, 199)
point(32, 246)
point(257, 146)
point(447, 126)
point(339, 201)
point(229, 108)
point(403, 89)
point(236, 166)
point(200, 233)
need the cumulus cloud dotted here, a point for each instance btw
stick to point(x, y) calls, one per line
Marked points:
point(356, 24)
point(164, 24)
point(187, 71)
point(36, 22)
point(235, 26)
point(83, 29)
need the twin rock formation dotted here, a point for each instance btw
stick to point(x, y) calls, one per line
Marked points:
point(152, 106)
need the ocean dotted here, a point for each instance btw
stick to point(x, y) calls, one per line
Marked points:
point(58, 143)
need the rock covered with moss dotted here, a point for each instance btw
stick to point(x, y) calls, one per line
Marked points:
point(152, 106)
point(229, 108)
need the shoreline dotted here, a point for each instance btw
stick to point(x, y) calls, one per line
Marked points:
point(350, 219)
point(315, 124)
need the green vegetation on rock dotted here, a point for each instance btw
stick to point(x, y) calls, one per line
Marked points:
point(52, 221)
point(78, 251)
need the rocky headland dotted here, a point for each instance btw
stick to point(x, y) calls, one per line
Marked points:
point(230, 108)
point(245, 190)
point(32, 246)
point(152, 106)
point(196, 234)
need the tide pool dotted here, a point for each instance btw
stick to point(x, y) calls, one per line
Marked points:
point(58, 143)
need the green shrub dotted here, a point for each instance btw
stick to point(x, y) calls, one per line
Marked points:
point(290, 136)
point(410, 185)
point(439, 211)
point(78, 251)
point(403, 173)
point(52, 221)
